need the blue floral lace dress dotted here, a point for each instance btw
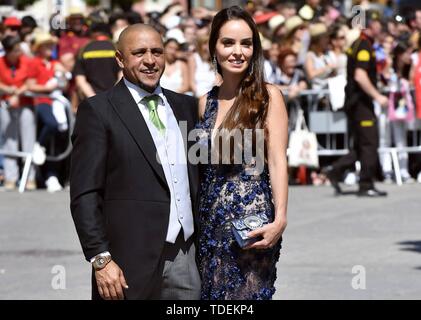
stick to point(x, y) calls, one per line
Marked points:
point(229, 272)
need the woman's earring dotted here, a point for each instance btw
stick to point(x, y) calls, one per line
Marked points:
point(215, 64)
point(251, 70)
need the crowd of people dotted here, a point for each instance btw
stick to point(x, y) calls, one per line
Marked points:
point(305, 46)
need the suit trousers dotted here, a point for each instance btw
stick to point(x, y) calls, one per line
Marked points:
point(364, 132)
point(177, 276)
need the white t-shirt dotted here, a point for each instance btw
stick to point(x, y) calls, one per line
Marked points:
point(174, 81)
point(341, 62)
point(319, 62)
point(204, 76)
point(415, 57)
point(272, 72)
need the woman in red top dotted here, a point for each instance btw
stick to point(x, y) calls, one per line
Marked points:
point(42, 80)
point(17, 117)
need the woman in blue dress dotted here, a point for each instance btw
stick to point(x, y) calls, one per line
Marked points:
point(233, 190)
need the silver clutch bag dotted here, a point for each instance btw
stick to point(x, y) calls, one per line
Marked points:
point(241, 227)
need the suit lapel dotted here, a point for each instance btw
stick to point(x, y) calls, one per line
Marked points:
point(129, 113)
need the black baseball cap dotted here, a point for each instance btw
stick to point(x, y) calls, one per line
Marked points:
point(373, 15)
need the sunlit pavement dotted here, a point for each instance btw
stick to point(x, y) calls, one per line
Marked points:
point(334, 247)
point(329, 238)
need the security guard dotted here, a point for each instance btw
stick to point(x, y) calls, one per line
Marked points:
point(96, 68)
point(360, 92)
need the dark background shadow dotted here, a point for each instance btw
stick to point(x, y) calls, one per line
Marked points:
point(412, 246)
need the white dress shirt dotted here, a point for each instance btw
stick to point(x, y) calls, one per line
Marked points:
point(171, 155)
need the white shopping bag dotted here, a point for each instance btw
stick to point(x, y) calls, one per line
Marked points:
point(302, 146)
point(336, 86)
point(59, 111)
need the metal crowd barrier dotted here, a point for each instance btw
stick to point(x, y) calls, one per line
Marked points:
point(326, 122)
point(330, 123)
point(27, 155)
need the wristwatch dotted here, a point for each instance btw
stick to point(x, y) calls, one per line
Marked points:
point(101, 260)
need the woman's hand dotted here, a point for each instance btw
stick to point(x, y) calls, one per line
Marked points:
point(332, 65)
point(51, 85)
point(10, 90)
point(13, 101)
point(271, 233)
point(293, 91)
point(21, 90)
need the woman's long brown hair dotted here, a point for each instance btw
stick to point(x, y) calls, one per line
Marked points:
point(250, 107)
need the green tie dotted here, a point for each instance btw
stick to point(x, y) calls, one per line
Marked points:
point(152, 103)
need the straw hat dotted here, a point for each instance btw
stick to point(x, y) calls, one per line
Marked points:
point(75, 13)
point(43, 38)
point(306, 12)
point(176, 34)
point(293, 23)
point(156, 6)
point(276, 21)
point(266, 43)
point(317, 29)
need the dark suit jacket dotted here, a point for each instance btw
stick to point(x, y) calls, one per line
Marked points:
point(120, 200)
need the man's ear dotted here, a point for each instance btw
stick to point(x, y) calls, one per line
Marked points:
point(119, 58)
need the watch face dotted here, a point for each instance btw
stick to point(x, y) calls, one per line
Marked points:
point(101, 261)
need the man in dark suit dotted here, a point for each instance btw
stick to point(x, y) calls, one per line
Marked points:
point(133, 192)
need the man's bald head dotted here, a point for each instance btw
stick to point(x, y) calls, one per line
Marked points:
point(140, 54)
point(134, 29)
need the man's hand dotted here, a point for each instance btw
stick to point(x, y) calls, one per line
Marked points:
point(111, 281)
point(382, 100)
point(361, 77)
